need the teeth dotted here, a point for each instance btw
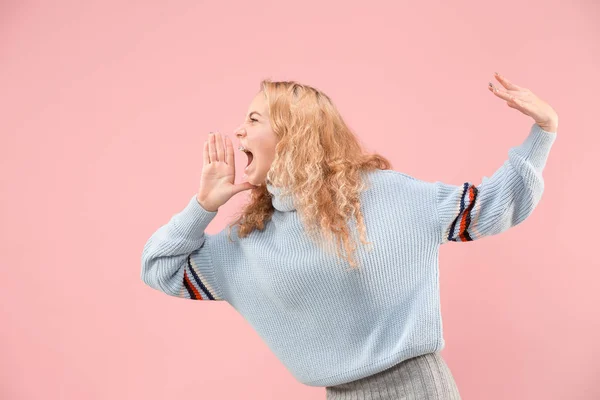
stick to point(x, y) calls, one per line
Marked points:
point(245, 150)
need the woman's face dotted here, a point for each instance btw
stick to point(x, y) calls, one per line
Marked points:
point(256, 135)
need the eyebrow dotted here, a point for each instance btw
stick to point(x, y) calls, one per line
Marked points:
point(253, 112)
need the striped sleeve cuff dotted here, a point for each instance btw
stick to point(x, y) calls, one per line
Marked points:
point(467, 212)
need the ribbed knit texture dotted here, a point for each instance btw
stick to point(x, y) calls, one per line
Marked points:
point(423, 377)
point(329, 324)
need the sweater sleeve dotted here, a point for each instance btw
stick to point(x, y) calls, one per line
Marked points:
point(177, 260)
point(467, 212)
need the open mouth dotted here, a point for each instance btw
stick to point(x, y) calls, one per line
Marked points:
point(249, 155)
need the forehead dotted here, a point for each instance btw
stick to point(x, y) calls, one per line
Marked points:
point(259, 103)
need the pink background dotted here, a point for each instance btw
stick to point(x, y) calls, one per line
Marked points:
point(104, 109)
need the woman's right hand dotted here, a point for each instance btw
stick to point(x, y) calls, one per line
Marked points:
point(218, 174)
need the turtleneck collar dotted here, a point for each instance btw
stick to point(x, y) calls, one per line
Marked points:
point(281, 203)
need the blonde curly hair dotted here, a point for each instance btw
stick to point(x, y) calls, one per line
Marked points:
point(319, 161)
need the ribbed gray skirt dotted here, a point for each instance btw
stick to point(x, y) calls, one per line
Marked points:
point(423, 377)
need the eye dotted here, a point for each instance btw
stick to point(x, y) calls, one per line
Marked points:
point(252, 119)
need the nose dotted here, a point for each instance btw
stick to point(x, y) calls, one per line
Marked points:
point(239, 132)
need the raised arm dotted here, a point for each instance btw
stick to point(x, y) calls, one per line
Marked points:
point(467, 212)
point(177, 260)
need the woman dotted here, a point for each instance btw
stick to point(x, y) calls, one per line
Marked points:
point(360, 319)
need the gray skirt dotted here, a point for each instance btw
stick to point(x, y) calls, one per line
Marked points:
point(423, 377)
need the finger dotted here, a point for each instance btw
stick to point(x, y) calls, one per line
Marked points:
point(506, 83)
point(206, 158)
point(503, 94)
point(219, 146)
point(211, 147)
point(520, 105)
point(229, 158)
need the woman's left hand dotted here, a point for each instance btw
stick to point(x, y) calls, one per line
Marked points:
point(528, 103)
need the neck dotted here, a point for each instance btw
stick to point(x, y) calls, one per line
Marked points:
point(281, 203)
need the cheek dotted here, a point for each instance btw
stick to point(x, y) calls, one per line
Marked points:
point(268, 156)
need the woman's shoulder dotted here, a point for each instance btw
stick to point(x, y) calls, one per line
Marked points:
point(392, 175)
point(396, 183)
point(391, 192)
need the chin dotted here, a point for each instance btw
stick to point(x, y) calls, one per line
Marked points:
point(252, 181)
point(257, 182)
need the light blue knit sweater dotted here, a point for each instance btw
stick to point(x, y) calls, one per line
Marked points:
point(327, 323)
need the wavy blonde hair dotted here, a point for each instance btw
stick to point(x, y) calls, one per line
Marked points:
point(319, 161)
